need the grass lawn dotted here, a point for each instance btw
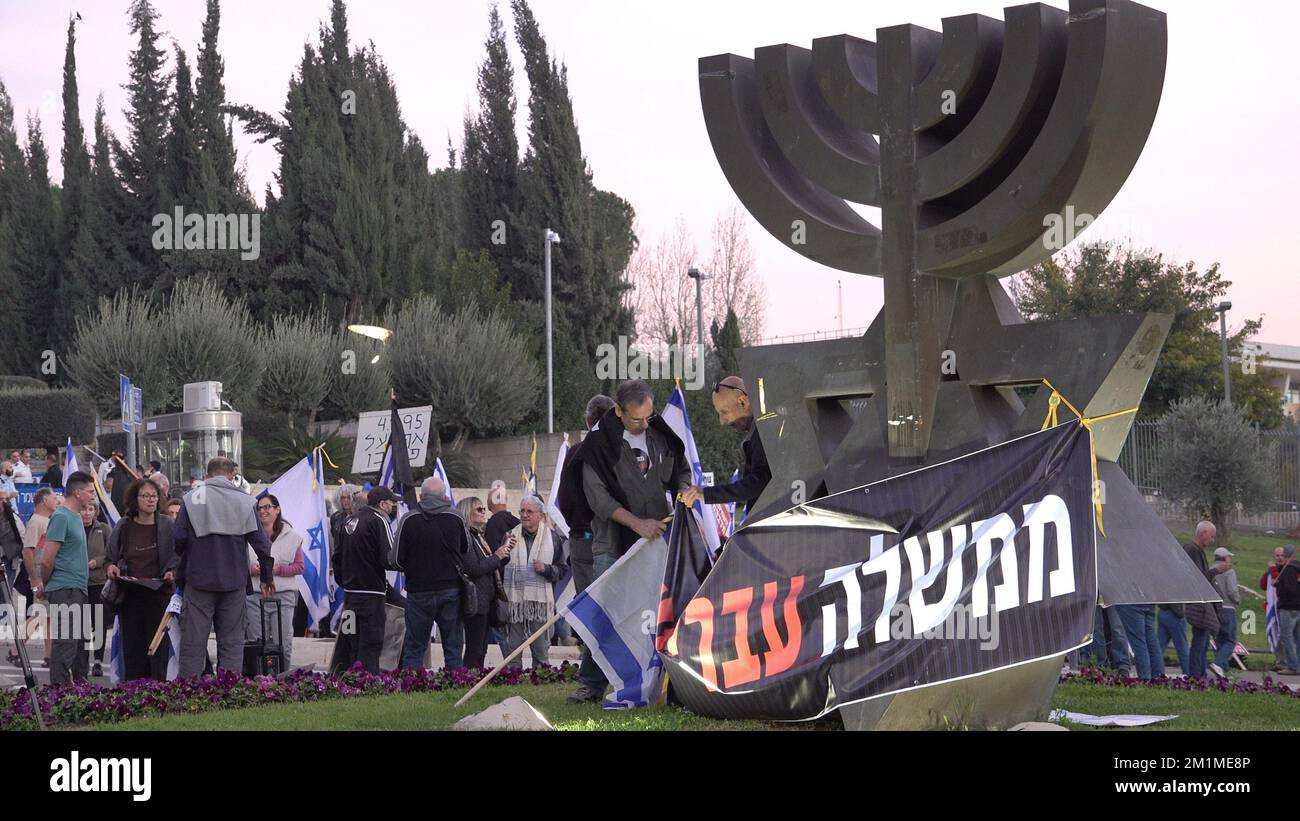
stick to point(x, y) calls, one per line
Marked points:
point(437, 711)
point(1196, 710)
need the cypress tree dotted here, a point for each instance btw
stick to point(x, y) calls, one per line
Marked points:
point(595, 226)
point(142, 160)
point(99, 254)
point(15, 356)
point(490, 159)
point(76, 162)
point(221, 181)
point(183, 183)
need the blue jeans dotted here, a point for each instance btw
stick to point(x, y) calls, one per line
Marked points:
point(1288, 624)
point(1112, 653)
point(422, 611)
point(1196, 653)
point(1140, 628)
point(1227, 638)
point(1172, 626)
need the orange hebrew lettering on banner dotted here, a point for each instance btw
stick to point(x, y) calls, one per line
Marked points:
point(744, 668)
point(700, 611)
point(781, 655)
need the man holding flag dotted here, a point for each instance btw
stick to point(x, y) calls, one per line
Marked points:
point(630, 466)
point(731, 401)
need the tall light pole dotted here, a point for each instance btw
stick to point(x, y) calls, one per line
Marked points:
point(552, 238)
point(699, 277)
point(1222, 310)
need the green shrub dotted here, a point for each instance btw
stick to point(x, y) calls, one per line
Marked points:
point(22, 382)
point(31, 417)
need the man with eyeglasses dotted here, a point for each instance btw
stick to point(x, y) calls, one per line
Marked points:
point(632, 465)
point(731, 401)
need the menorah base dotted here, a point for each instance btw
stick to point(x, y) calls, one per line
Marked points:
point(995, 701)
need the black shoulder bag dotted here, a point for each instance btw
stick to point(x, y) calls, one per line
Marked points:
point(469, 604)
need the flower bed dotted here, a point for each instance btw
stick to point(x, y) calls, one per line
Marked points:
point(80, 702)
point(1095, 675)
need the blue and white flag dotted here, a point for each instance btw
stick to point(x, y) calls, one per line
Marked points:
point(446, 483)
point(615, 616)
point(301, 491)
point(116, 664)
point(552, 507)
point(675, 416)
point(1272, 629)
point(106, 504)
point(69, 461)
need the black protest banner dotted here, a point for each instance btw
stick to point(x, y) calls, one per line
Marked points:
point(961, 568)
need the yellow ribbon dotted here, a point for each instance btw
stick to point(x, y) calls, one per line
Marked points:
point(317, 453)
point(1053, 402)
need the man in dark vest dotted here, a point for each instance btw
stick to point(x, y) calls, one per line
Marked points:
point(629, 466)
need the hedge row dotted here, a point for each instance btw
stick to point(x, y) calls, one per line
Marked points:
point(35, 418)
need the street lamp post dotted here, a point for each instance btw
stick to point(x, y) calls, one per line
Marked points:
point(1222, 310)
point(552, 238)
point(699, 277)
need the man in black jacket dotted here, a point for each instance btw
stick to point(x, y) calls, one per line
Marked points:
point(433, 550)
point(731, 401)
point(1288, 609)
point(578, 517)
point(364, 554)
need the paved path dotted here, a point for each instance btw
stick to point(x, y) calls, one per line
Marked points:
point(313, 654)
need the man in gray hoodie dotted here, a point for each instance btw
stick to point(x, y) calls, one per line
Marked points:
point(215, 526)
point(1225, 584)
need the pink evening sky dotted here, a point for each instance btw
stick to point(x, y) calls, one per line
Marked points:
point(1209, 187)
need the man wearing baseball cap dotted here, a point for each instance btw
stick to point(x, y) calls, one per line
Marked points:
point(1225, 584)
point(365, 551)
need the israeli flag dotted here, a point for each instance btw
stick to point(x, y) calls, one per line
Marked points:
point(675, 416)
point(552, 506)
point(116, 664)
point(69, 461)
point(446, 483)
point(301, 491)
point(174, 635)
point(610, 616)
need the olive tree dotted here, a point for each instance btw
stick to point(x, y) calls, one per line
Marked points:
point(472, 367)
point(1212, 460)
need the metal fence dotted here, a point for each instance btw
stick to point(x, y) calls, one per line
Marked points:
point(1140, 460)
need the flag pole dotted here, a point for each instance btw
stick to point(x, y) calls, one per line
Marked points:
point(518, 650)
point(162, 631)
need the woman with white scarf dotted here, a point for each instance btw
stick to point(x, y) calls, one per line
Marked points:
point(528, 576)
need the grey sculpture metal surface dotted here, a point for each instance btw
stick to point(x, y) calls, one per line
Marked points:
point(974, 144)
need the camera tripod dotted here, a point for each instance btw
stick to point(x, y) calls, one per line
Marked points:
point(29, 675)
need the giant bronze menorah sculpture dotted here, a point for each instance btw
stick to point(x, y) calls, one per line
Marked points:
point(977, 145)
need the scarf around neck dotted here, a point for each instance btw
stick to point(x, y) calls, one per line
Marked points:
point(530, 594)
point(219, 506)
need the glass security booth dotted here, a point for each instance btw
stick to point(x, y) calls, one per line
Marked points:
point(184, 442)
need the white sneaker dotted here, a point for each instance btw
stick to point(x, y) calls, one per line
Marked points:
point(1217, 670)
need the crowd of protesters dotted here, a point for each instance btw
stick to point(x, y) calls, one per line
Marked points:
point(474, 575)
point(1132, 638)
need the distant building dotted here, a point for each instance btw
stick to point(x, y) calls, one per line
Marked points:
point(1283, 366)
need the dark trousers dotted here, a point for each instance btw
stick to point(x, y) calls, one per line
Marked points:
point(140, 614)
point(476, 633)
point(102, 622)
point(361, 638)
point(423, 610)
point(589, 672)
point(68, 656)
